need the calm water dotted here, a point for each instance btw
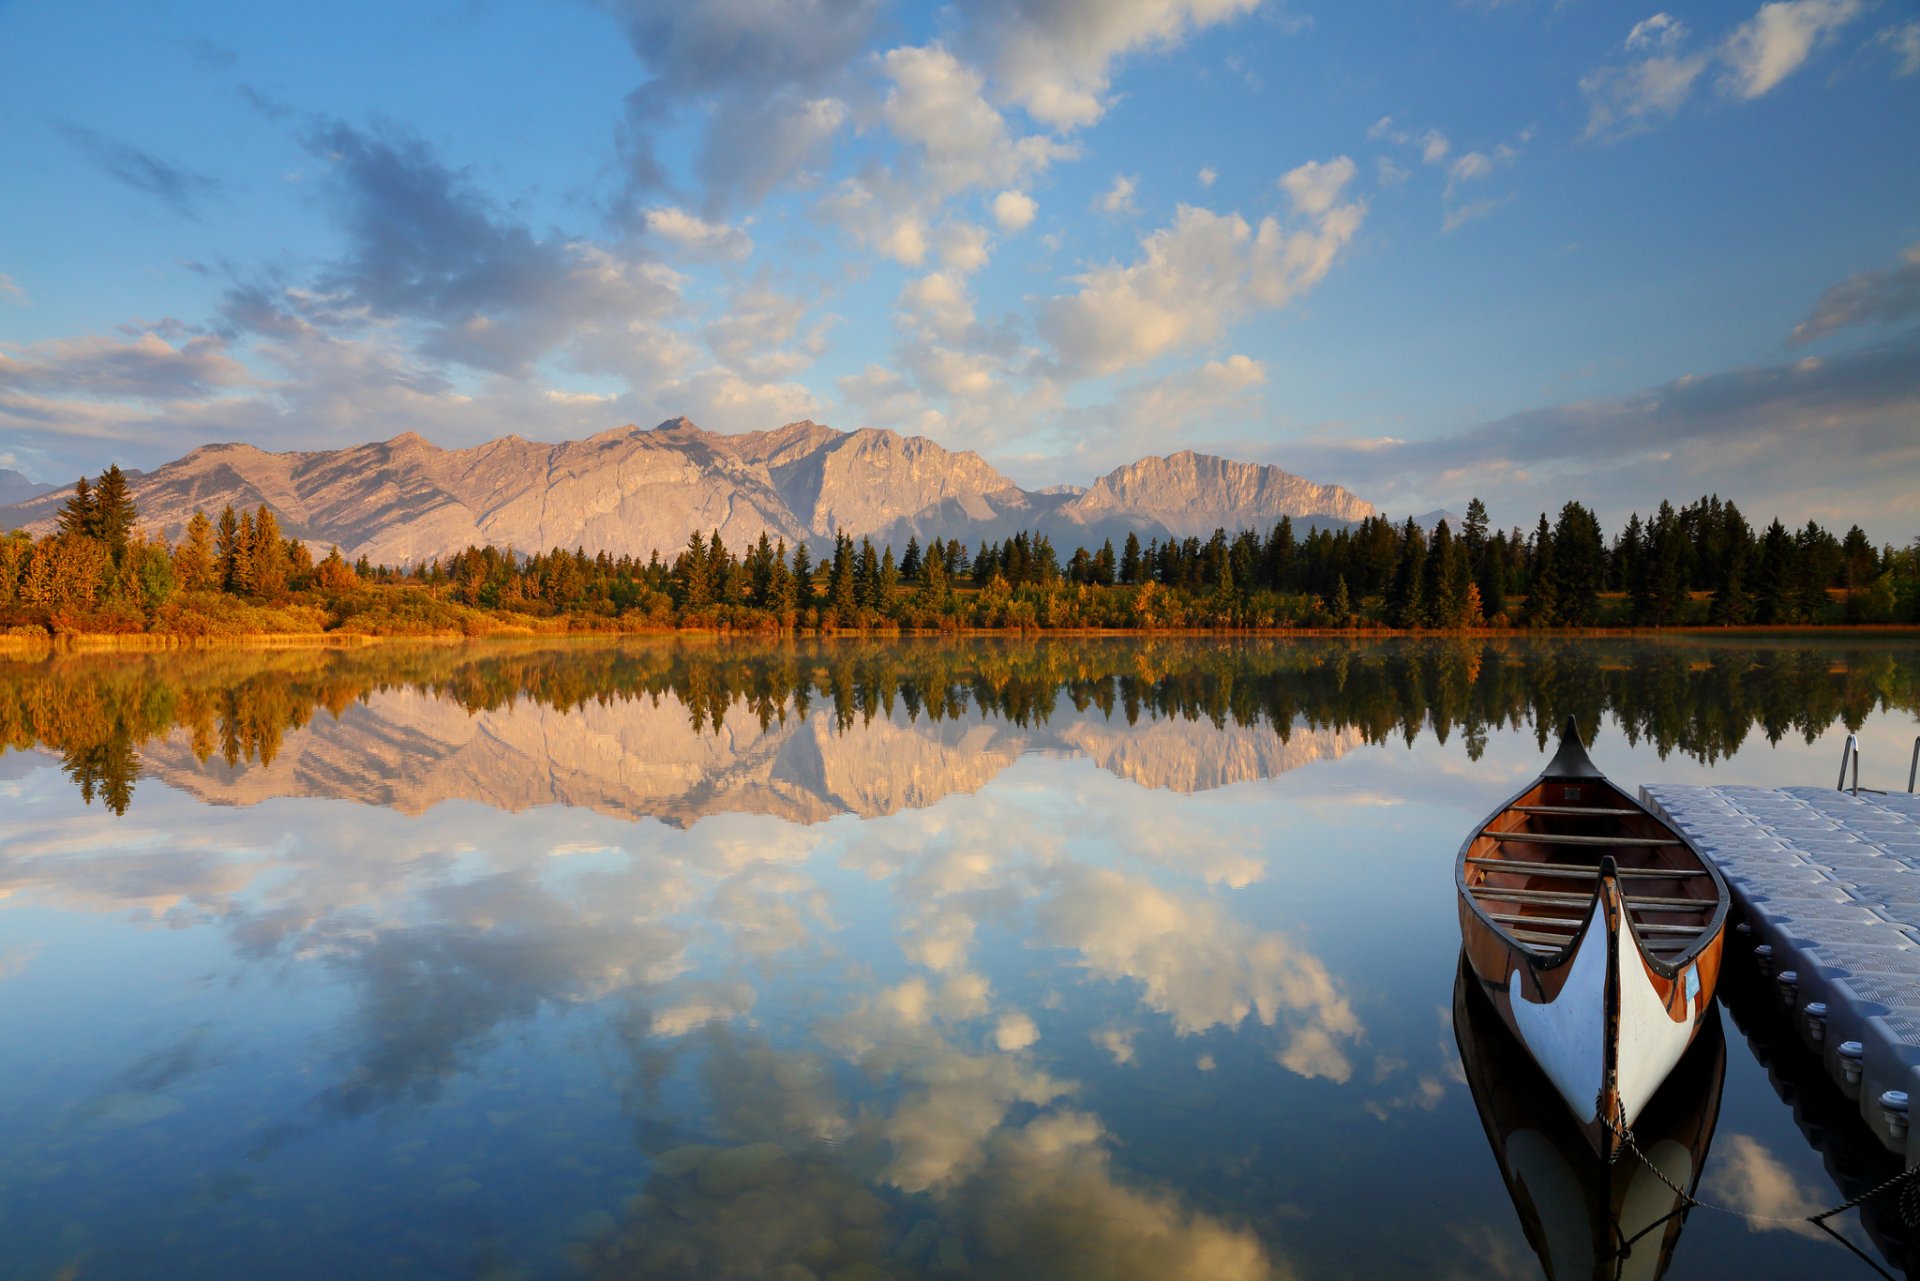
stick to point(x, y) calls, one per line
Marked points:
point(1069, 959)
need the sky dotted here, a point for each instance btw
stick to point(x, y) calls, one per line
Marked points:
point(1524, 250)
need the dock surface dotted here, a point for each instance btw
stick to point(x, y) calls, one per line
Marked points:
point(1827, 887)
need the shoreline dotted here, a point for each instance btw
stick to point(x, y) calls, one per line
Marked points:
point(15, 644)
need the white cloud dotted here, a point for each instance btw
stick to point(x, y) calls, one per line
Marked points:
point(1623, 100)
point(1434, 147)
point(938, 104)
point(1661, 31)
point(10, 291)
point(1315, 187)
point(1771, 45)
point(938, 303)
point(695, 234)
point(1194, 278)
point(1390, 174)
point(1868, 297)
point(1015, 1031)
point(1055, 57)
point(1460, 215)
point(1904, 41)
point(1207, 177)
point(964, 247)
point(1118, 199)
point(1014, 211)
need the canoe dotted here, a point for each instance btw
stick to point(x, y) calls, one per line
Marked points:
point(1584, 1216)
point(1596, 931)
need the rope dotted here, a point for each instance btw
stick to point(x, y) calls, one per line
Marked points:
point(1691, 1202)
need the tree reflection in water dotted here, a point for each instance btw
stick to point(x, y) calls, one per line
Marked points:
point(1702, 699)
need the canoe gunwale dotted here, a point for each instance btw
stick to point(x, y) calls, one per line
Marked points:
point(1667, 967)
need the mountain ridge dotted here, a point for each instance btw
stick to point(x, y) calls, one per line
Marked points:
point(632, 489)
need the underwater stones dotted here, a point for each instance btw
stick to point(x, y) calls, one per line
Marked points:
point(949, 1256)
point(793, 1272)
point(859, 1272)
point(863, 1210)
point(919, 1242)
point(735, 1170)
point(594, 1225)
point(125, 1109)
point(678, 1162)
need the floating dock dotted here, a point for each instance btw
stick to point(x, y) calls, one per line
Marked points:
point(1826, 904)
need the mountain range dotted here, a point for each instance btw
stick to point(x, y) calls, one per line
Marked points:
point(406, 500)
point(15, 488)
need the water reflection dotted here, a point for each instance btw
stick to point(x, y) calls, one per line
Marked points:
point(1584, 1216)
point(1854, 1160)
point(679, 731)
point(998, 960)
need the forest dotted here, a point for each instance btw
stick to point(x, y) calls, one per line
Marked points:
point(238, 575)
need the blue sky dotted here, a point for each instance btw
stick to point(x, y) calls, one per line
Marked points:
point(1524, 250)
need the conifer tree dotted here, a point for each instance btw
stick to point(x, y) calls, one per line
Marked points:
point(194, 566)
point(114, 512)
point(79, 516)
point(1130, 571)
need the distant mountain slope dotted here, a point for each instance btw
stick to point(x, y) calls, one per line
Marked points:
point(632, 490)
point(15, 488)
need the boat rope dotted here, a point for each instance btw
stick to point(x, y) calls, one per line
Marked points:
point(1688, 1201)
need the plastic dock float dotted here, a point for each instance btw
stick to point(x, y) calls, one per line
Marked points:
point(1826, 903)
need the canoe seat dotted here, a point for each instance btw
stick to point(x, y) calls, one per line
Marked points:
point(1548, 838)
point(1561, 922)
point(1580, 810)
point(1567, 898)
point(1586, 872)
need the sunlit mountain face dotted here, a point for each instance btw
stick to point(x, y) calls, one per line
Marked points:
point(1076, 958)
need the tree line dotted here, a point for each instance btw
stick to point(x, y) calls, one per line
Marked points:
point(1699, 564)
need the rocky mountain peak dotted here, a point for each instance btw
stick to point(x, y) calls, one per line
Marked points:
point(633, 490)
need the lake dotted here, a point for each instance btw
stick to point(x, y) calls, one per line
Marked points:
point(834, 959)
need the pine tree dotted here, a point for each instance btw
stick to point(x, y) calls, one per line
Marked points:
point(1342, 607)
point(194, 566)
point(802, 575)
point(910, 560)
point(79, 516)
point(1541, 610)
point(1405, 607)
point(1130, 570)
point(1442, 585)
point(271, 566)
point(1579, 566)
point(114, 513)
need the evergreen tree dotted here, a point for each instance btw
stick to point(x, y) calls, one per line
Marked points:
point(1443, 581)
point(1492, 577)
point(1105, 568)
point(802, 575)
point(194, 566)
point(1775, 600)
point(1579, 566)
point(271, 567)
point(910, 560)
point(79, 516)
point(1342, 607)
point(1405, 605)
point(113, 511)
point(1541, 609)
point(1130, 567)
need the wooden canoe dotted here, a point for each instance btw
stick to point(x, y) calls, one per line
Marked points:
point(1595, 930)
point(1584, 1216)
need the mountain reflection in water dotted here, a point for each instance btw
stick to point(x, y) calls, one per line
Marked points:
point(822, 960)
point(679, 731)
